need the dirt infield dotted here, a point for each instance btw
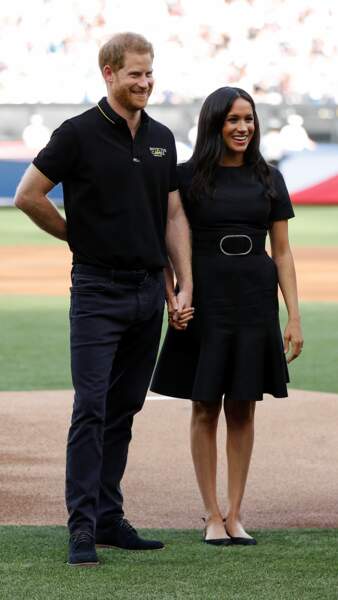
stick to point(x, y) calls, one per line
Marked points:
point(45, 270)
point(293, 480)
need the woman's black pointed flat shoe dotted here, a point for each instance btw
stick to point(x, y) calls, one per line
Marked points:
point(217, 541)
point(240, 541)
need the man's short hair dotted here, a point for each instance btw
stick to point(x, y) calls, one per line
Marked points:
point(112, 53)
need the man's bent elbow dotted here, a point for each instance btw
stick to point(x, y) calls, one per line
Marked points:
point(22, 200)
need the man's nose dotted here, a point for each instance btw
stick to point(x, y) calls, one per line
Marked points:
point(143, 82)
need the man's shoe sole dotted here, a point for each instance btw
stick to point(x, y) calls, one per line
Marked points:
point(129, 549)
point(83, 564)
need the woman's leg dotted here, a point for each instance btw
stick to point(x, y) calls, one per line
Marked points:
point(240, 439)
point(204, 422)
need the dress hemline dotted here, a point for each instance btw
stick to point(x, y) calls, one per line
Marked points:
point(224, 396)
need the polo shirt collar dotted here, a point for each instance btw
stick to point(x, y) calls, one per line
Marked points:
point(113, 116)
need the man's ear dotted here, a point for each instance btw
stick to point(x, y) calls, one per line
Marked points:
point(108, 74)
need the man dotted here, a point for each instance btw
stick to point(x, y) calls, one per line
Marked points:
point(123, 216)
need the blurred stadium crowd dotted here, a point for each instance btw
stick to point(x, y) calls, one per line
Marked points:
point(277, 50)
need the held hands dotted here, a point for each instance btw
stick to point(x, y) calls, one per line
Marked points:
point(293, 336)
point(180, 311)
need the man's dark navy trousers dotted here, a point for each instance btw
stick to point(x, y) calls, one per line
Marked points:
point(115, 327)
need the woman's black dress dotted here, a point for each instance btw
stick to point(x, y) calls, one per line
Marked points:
point(233, 346)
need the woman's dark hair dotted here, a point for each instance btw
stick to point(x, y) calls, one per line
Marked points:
point(209, 148)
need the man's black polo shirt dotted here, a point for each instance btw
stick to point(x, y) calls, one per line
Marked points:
point(115, 187)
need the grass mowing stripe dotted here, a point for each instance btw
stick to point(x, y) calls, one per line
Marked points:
point(16, 229)
point(34, 353)
point(313, 226)
point(316, 368)
point(286, 564)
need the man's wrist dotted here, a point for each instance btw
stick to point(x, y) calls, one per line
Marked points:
point(169, 293)
point(185, 287)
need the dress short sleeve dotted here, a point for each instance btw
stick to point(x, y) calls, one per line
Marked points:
point(179, 176)
point(281, 207)
point(56, 160)
point(183, 173)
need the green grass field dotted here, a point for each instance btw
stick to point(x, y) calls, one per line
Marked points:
point(313, 226)
point(16, 229)
point(34, 352)
point(285, 565)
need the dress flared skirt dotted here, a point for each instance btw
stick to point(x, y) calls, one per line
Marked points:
point(233, 346)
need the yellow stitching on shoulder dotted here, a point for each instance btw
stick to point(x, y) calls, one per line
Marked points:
point(104, 114)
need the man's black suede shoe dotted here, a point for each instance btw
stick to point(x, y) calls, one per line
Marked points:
point(82, 551)
point(121, 534)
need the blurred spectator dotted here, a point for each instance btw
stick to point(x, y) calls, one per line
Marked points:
point(184, 151)
point(271, 143)
point(279, 49)
point(192, 133)
point(36, 134)
point(294, 137)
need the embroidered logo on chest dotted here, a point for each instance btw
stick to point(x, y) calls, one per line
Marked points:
point(158, 152)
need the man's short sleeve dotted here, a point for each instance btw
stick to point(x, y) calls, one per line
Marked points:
point(57, 158)
point(173, 183)
point(281, 207)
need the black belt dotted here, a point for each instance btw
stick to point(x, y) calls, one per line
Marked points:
point(211, 243)
point(123, 275)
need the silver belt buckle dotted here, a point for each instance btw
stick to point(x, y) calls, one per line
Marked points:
point(235, 253)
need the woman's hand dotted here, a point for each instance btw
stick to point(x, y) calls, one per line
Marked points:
point(178, 316)
point(293, 336)
point(180, 320)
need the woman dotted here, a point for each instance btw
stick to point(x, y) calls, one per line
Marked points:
point(233, 347)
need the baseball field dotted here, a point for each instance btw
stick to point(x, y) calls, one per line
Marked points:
point(290, 503)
